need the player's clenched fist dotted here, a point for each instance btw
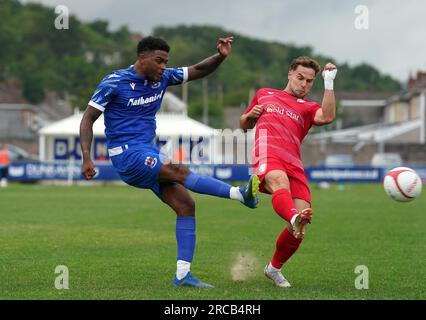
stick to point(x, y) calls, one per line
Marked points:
point(88, 170)
point(329, 73)
point(224, 46)
point(330, 66)
point(255, 113)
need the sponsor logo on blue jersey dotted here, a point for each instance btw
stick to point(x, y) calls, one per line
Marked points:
point(141, 100)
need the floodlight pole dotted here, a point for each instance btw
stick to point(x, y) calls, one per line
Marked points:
point(185, 96)
point(205, 102)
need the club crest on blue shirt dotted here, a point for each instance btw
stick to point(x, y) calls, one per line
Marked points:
point(150, 162)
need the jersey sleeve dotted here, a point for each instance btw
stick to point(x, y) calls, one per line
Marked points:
point(104, 93)
point(175, 76)
point(254, 102)
point(314, 110)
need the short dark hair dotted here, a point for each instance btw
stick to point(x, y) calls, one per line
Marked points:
point(306, 62)
point(149, 44)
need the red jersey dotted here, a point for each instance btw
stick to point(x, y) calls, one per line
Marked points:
point(282, 126)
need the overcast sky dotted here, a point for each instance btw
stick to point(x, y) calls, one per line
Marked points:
point(394, 41)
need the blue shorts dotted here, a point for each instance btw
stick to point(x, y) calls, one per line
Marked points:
point(139, 166)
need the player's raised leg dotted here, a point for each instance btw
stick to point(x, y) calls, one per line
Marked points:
point(207, 185)
point(277, 183)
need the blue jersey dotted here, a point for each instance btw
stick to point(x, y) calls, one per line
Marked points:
point(129, 102)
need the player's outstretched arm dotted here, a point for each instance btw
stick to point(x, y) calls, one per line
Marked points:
point(211, 63)
point(327, 113)
point(86, 136)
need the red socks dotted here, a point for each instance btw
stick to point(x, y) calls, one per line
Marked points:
point(286, 247)
point(283, 204)
point(286, 243)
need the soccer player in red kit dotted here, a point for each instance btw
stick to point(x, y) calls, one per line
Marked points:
point(282, 119)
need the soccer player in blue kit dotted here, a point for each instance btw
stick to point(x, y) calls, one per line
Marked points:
point(129, 99)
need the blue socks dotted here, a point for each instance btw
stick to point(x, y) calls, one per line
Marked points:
point(185, 237)
point(185, 225)
point(207, 185)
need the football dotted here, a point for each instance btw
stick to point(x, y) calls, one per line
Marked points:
point(402, 184)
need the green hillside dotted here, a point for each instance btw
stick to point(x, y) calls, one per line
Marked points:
point(73, 61)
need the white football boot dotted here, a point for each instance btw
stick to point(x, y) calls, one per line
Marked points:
point(277, 277)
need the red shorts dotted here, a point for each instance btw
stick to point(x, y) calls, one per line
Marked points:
point(298, 183)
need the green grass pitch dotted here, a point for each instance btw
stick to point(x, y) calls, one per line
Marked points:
point(118, 242)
